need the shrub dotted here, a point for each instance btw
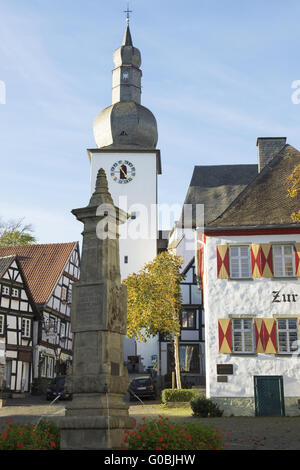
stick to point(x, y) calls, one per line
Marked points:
point(174, 395)
point(162, 435)
point(44, 436)
point(205, 408)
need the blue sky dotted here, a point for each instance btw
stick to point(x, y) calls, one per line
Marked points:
point(216, 74)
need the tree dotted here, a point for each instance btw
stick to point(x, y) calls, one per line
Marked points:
point(293, 182)
point(15, 232)
point(154, 302)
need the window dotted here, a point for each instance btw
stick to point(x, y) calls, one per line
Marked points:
point(188, 320)
point(47, 367)
point(15, 292)
point(5, 290)
point(242, 335)
point(126, 259)
point(283, 259)
point(240, 262)
point(64, 293)
point(287, 332)
point(26, 327)
point(1, 324)
point(189, 357)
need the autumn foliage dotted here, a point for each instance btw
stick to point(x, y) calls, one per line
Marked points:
point(293, 182)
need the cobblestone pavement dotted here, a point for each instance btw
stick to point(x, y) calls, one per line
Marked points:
point(241, 433)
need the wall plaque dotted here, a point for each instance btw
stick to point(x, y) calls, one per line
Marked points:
point(222, 378)
point(226, 369)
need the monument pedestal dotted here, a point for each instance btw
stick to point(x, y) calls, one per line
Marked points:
point(94, 432)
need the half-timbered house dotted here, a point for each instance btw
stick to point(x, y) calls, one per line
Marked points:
point(50, 271)
point(17, 316)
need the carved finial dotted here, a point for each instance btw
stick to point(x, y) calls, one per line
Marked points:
point(101, 182)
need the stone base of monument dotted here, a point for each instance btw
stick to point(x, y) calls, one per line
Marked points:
point(94, 432)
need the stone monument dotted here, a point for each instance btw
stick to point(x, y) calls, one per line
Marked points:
point(97, 415)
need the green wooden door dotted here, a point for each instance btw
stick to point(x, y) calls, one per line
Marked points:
point(269, 398)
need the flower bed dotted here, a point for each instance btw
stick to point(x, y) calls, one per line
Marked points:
point(161, 434)
point(44, 436)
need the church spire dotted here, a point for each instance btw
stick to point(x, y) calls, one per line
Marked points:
point(127, 73)
point(127, 41)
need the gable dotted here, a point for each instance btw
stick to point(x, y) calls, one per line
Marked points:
point(42, 266)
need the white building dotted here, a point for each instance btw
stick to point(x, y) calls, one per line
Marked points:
point(126, 138)
point(248, 260)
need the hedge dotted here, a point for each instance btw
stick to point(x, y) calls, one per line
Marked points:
point(175, 395)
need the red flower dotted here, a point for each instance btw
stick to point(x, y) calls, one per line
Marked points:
point(19, 444)
point(52, 444)
point(8, 420)
point(138, 436)
point(133, 433)
point(4, 436)
point(181, 430)
point(161, 439)
point(134, 425)
point(171, 426)
point(189, 436)
point(142, 428)
point(158, 448)
point(20, 432)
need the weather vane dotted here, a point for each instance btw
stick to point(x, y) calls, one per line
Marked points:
point(127, 13)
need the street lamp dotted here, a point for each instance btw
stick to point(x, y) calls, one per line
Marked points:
point(57, 352)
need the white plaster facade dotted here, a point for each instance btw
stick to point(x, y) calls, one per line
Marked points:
point(138, 236)
point(227, 298)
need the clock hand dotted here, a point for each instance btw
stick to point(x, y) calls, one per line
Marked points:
point(125, 174)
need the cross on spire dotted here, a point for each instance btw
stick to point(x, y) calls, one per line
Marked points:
point(128, 13)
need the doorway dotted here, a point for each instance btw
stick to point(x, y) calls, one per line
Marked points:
point(269, 397)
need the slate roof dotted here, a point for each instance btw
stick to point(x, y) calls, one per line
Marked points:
point(42, 266)
point(264, 201)
point(216, 187)
point(5, 262)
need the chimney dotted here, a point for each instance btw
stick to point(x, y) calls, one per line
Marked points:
point(268, 147)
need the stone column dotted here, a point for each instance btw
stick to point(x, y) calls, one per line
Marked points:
point(97, 415)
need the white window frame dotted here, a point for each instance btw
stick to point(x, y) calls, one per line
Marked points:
point(287, 332)
point(239, 259)
point(2, 320)
point(243, 332)
point(283, 259)
point(15, 292)
point(47, 369)
point(5, 290)
point(26, 328)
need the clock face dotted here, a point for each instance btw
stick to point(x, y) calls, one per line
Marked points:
point(122, 172)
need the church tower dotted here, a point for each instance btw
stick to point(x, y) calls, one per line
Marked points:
point(126, 137)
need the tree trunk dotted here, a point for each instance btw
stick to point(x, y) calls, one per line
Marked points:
point(177, 361)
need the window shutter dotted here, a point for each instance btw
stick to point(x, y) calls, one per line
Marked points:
point(223, 261)
point(267, 260)
point(256, 269)
point(225, 343)
point(297, 259)
point(265, 335)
